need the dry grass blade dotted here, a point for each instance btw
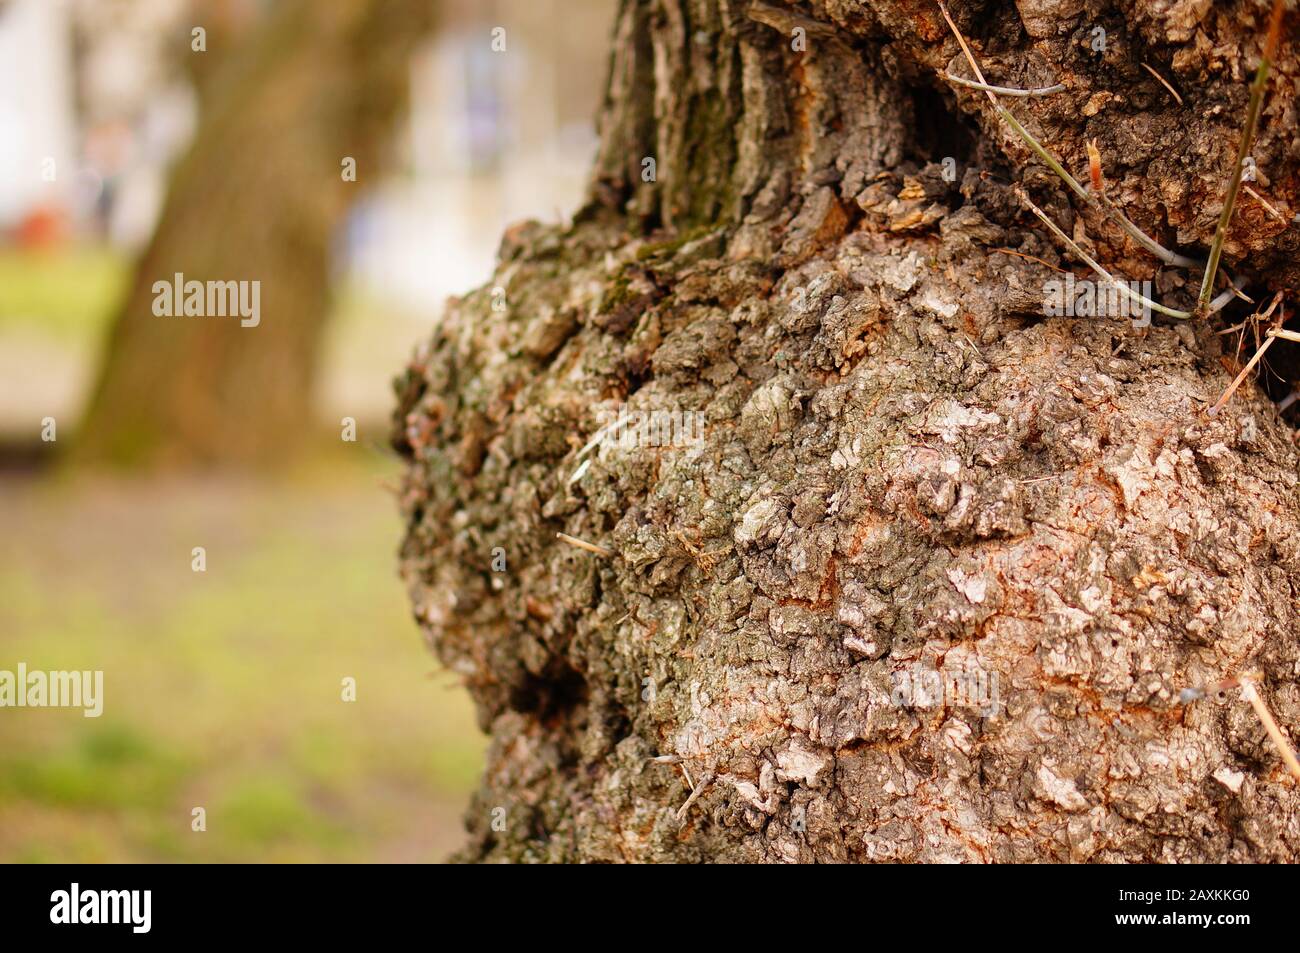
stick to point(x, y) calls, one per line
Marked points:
point(1091, 263)
point(1243, 150)
point(1259, 353)
point(1237, 381)
point(970, 57)
point(1264, 202)
point(1165, 83)
point(583, 544)
point(1005, 90)
point(1270, 725)
point(1106, 207)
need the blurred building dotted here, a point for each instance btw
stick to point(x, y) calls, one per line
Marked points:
point(37, 117)
point(496, 135)
point(92, 111)
point(97, 101)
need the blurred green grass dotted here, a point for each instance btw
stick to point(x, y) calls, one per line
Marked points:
point(69, 293)
point(222, 689)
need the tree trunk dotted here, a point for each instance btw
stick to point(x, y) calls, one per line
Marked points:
point(259, 197)
point(933, 581)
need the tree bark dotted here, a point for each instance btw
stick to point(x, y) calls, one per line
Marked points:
point(259, 197)
point(906, 468)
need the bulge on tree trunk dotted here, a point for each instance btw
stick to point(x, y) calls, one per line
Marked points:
point(934, 581)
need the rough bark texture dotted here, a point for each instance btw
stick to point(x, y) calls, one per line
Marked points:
point(259, 197)
point(906, 465)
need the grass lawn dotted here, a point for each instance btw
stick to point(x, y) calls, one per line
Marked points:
point(222, 688)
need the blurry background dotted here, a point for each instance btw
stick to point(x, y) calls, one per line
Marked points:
point(125, 155)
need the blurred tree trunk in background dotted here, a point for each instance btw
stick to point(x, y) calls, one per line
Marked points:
point(259, 196)
point(930, 583)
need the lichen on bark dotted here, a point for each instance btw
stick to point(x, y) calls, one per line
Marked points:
point(905, 468)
